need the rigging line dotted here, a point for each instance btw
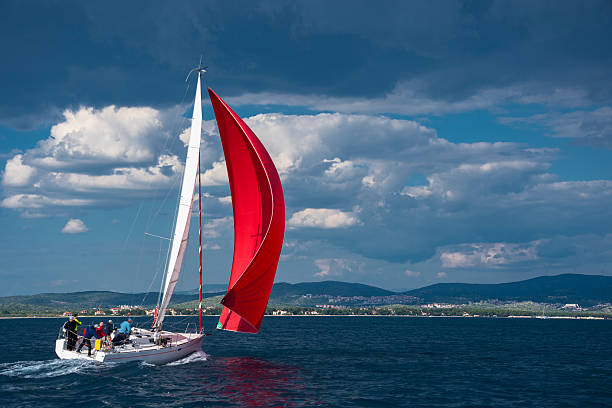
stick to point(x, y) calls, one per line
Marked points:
point(167, 142)
point(176, 178)
point(157, 236)
point(168, 138)
point(154, 277)
point(162, 278)
point(127, 238)
point(169, 135)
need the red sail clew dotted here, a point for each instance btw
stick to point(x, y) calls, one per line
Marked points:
point(259, 221)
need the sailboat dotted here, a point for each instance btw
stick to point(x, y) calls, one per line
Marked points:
point(259, 227)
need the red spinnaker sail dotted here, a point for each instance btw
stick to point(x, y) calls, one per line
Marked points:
point(259, 221)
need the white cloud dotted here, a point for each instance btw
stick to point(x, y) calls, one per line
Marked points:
point(458, 259)
point(74, 226)
point(416, 192)
point(441, 275)
point(412, 274)
point(114, 155)
point(324, 267)
point(486, 254)
point(94, 157)
point(299, 141)
point(413, 194)
point(156, 177)
point(332, 267)
point(215, 227)
point(17, 174)
point(341, 170)
point(215, 176)
point(322, 218)
point(368, 181)
point(409, 98)
point(21, 201)
point(227, 200)
point(111, 135)
point(587, 127)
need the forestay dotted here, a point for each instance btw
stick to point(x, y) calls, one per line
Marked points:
point(181, 229)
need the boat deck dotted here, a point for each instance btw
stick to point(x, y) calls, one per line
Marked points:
point(142, 345)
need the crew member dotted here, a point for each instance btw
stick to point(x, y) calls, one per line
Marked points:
point(126, 327)
point(124, 332)
point(71, 332)
point(100, 331)
point(108, 329)
point(90, 332)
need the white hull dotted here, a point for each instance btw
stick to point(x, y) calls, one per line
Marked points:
point(139, 348)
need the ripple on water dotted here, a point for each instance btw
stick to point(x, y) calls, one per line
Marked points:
point(44, 369)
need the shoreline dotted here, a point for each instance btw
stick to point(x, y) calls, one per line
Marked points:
point(335, 315)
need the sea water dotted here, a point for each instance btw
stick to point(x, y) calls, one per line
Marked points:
point(329, 361)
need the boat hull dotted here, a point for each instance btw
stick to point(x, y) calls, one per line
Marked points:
point(153, 354)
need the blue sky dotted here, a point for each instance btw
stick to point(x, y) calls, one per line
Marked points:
point(417, 142)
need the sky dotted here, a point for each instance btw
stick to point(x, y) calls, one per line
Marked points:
point(417, 142)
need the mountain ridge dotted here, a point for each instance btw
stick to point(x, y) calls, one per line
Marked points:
point(565, 288)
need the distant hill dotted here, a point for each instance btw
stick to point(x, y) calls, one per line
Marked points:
point(285, 293)
point(586, 290)
point(568, 288)
point(90, 299)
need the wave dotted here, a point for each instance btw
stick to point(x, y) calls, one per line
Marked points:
point(44, 368)
point(192, 358)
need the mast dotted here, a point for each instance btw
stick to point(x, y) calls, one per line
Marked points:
point(183, 217)
point(200, 235)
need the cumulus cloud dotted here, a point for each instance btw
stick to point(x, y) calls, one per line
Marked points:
point(95, 157)
point(17, 174)
point(215, 176)
point(489, 254)
point(300, 141)
point(74, 226)
point(111, 135)
point(113, 155)
point(322, 218)
point(380, 188)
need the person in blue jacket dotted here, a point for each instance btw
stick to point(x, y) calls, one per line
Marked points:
point(126, 327)
point(90, 332)
point(124, 332)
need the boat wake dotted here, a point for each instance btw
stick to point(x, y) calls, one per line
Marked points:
point(43, 369)
point(192, 358)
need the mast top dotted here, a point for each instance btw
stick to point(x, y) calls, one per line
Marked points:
point(200, 70)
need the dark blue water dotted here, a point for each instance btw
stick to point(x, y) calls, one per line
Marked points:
point(331, 361)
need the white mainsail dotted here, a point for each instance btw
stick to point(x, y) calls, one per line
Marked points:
point(181, 229)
